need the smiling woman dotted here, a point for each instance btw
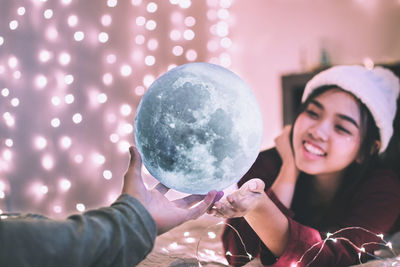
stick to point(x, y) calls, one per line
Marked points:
point(322, 194)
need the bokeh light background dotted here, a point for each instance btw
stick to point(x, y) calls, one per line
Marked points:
point(72, 73)
point(71, 76)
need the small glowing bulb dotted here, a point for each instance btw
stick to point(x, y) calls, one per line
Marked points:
point(47, 162)
point(148, 80)
point(69, 99)
point(126, 70)
point(228, 253)
point(177, 50)
point(106, 20)
point(2, 195)
point(43, 189)
point(136, 2)
point(190, 21)
point(185, 4)
point(186, 234)
point(112, 3)
point(65, 184)
point(107, 174)
point(44, 56)
point(72, 20)
point(362, 249)
point(79, 36)
point(65, 142)
point(151, 25)
point(225, 3)
point(139, 39)
point(57, 209)
point(212, 235)
point(380, 236)
point(188, 35)
point(123, 146)
point(98, 159)
point(40, 142)
point(1, 40)
point(293, 264)
point(175, 35)
point(5, 92)
point(151, 7)
point(102, 98)
point(139, 90)
point(103, 37)
point(149, 60)
point(191, 55)
point(17, 74)
point(7, 155)
point(77, 118)
point(222, 29)
point(80, 207)
point(9, 142)
point(55, 122)
point(40, 81)
point(51, 33)
point(78, 158)
point(127, 128)
point(328, 235)
point(68, 79)
point(152, 44)
point(173, 245)
point(48, 14)
point(190, 240)
point(55, 100)
point(13, 25)
point(140, 21)
point(107, 78)
point(226, 42)
point(64, 58)
point(66, 2)
point(125, 109)
point(111, 58)
point(223, 14)
point(14, 102)
point(12, 62)
point(114, 138)
point(21, 11)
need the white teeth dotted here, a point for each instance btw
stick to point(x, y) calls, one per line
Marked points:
point(312, 149)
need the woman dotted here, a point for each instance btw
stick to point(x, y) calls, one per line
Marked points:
point(323, 176)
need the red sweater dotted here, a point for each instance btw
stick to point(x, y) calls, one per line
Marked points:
point(373, 206)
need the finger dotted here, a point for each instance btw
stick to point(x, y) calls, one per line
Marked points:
point(224, 209)
point(133, 177)
point(203, 206)
point(188, 201)
point(161, 188)
point(256, 185)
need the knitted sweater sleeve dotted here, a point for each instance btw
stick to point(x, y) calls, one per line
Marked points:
point(119, 235)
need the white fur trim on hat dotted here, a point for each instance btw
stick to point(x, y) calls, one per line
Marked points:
point(378, 89)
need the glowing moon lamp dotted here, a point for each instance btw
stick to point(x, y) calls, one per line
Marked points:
point(198, 128)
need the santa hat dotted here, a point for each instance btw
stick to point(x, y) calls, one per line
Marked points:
point(378, 89)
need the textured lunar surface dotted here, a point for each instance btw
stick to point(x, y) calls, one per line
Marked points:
point(198, 128)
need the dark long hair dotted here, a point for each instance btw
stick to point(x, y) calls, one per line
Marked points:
point(356, 172)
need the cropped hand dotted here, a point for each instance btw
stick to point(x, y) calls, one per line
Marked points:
point(247, 198)
point(167, 214)
point(282, 144)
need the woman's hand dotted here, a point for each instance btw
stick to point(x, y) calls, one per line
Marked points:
point(167, 214)
point(284, 147)
point(244, 200)
point(284, 184)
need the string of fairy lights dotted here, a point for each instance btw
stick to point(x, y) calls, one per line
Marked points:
point(71, 76)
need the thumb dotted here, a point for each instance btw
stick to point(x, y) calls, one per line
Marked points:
point(133, 176)
point(256, 185)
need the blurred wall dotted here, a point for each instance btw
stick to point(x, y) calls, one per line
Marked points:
point(275, 37)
